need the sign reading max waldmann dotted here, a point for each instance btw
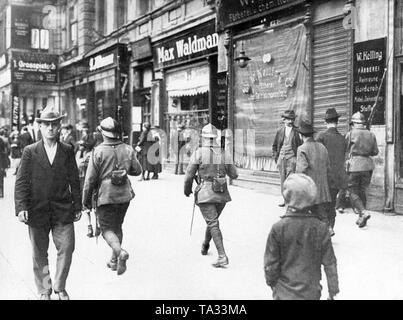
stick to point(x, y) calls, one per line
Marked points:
point(34, 67)
point(368, 69)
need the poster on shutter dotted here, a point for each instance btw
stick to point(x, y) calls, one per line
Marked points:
point(368, 69)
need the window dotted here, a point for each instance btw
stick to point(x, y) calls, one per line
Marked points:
point(120, 13)
point(39, 35)
point(2, 36)
point(73, 23)
point(144, 6)
point(100, 21)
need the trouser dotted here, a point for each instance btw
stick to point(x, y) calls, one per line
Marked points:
point(358, 182)
point(1, 184)
point(341, 198)
point(211, 212)
point(286, 167)
point(332, 206)
point(64, 240)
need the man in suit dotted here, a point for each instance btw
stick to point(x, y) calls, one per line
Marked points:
point(47, 199)
point(334, 143)
point(285, 147)
point(313, 160)
point(361, 146)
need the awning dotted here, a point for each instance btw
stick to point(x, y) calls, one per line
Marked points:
point(189, 82)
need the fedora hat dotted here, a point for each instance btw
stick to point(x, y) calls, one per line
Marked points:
point(109, 127)
point(299, 191)
point(209, 131)
point(49, 114)
point(305, 128)
point(358, 117)
point(331, 113)
point(288, 114)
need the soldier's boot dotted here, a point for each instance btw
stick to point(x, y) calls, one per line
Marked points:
point(181, 169)
point(176, 168)
point(113, 262)
point(206, 243)
point(218, 241)
point(363, 220)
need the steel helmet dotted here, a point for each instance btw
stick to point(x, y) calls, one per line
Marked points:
point(209, 131)
point(358, 117)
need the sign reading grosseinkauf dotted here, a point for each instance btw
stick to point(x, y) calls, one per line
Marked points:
point(34, 67)
point(186, 46)
point(232, 12)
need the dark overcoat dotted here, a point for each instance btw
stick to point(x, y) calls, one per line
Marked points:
point(50, 193)
point(297, 246)
point(313, 160)
point(335, 145)
point(279, 140)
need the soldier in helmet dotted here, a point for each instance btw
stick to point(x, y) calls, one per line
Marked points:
point(361, 145)
point(211, 194)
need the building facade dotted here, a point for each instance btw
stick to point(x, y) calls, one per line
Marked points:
point(182, 62)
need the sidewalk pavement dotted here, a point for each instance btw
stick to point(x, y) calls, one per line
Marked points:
point(165, 261)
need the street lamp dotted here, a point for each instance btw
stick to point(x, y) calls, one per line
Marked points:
point(242, 59)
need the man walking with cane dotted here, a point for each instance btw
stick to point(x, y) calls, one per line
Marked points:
point(211, 194)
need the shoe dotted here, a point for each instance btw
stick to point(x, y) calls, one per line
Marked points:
point(364, 220)
point(97, 231)
point(331, 232)
point(154, 177)
point(112, 264)
point(121, 268)
point(340, 210)
point(90, 232)
point(204, 248)
point(45, 296)
point(221, 262)
point(359, 221)
point(63, 295)
point(282, 205)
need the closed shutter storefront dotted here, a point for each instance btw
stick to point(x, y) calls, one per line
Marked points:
point(332, 60)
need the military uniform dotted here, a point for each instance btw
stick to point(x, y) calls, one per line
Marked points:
point(361, 145)
point(208, 163)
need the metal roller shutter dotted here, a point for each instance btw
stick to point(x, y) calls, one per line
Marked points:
point(332, 61)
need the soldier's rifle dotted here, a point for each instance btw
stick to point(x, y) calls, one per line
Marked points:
point(374, 106)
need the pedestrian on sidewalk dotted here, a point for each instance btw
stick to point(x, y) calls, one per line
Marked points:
point(180, 152)
point(361, 145)
point(48, 199)
point(285, 147)
point(142, 147)
point(313, 160)
point(335, 145)
point(298, 245)
point(15, 146)
point(211, 194)
point(107, 171)
point(3, 166)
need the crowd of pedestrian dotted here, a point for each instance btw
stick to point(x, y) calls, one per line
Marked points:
point(59, 178)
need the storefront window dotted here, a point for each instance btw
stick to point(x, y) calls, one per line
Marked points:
point(275, 79)
point(400, 126)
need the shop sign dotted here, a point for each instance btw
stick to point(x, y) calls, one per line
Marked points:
point(141, 49)
point(101, 61)
point(34, 67)
point(72, 71)
point(3, 60)
point(368, 69)
point(192, 44)
point(232, 12)
point(20, 27)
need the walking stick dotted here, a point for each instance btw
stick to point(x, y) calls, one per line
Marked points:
point(193, 214)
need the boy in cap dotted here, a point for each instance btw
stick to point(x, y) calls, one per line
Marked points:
point(298, 245)
point(285, 147)
point(313, 160)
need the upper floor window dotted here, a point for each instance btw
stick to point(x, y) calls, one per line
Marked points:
point(73, 26)
point(120, 13)
point(39, 35)
point(100, 20)
point(144, 7)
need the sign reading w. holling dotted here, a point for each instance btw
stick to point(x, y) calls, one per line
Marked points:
point(368, 70)
point(232, 12)
point(34, 67)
